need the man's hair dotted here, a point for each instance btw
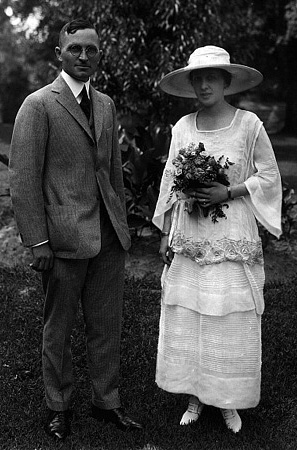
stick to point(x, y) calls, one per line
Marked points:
point(73, 26)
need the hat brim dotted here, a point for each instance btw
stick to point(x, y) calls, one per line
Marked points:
point(178, 82)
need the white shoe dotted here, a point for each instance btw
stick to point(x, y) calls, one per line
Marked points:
point(232, 419)
point(192, 414)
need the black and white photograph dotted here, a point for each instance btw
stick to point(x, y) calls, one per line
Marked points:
point(148, 224)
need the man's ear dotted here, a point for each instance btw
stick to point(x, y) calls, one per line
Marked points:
point(58, 53)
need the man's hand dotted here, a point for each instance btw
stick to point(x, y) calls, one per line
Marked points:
point(43, 258)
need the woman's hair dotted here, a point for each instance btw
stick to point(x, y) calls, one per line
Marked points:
point(226, 75)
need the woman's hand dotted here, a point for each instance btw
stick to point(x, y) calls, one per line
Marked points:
point(165, 251)
point(210, 194)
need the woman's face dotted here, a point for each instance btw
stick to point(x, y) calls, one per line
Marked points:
point(209, 86)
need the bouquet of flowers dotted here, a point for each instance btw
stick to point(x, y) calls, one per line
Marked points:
point(194, 169)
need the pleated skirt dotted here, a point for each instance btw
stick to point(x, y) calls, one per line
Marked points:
point(217, 358)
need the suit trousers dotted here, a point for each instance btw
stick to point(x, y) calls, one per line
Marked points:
point(98, 282)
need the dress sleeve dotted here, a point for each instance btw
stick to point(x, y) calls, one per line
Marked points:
point(264, 186)
point(165, 199)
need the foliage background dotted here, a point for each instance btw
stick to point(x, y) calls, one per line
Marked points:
point(143, 40)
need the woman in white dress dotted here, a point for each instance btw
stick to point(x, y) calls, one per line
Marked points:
point(212, 284)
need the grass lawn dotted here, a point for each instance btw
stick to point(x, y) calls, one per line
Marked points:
point(270, 426)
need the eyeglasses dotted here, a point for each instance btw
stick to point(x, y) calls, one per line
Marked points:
point(76, 50)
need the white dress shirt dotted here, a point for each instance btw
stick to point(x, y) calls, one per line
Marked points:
point(76, 86)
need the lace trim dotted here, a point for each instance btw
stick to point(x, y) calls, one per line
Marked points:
point(212, 252)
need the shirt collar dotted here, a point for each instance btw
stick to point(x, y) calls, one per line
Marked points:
point(75, 85)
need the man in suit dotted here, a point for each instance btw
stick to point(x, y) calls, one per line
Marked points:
point(68, 197)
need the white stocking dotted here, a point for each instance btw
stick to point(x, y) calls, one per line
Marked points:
point(193, 412)
point(232, 419)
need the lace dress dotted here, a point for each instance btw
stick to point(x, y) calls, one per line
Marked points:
point(212, 294)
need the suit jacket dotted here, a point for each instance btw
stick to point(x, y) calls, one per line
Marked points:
point(60, 172)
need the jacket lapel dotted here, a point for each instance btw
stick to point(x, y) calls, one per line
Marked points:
point(98, 112)
point(67, 99)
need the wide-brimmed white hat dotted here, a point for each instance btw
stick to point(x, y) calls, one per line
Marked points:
point(178, 82)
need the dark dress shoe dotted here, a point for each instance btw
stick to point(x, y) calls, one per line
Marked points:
point(57, 424)
point(116, 416)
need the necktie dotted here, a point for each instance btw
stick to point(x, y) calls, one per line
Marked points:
point(85, 103)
